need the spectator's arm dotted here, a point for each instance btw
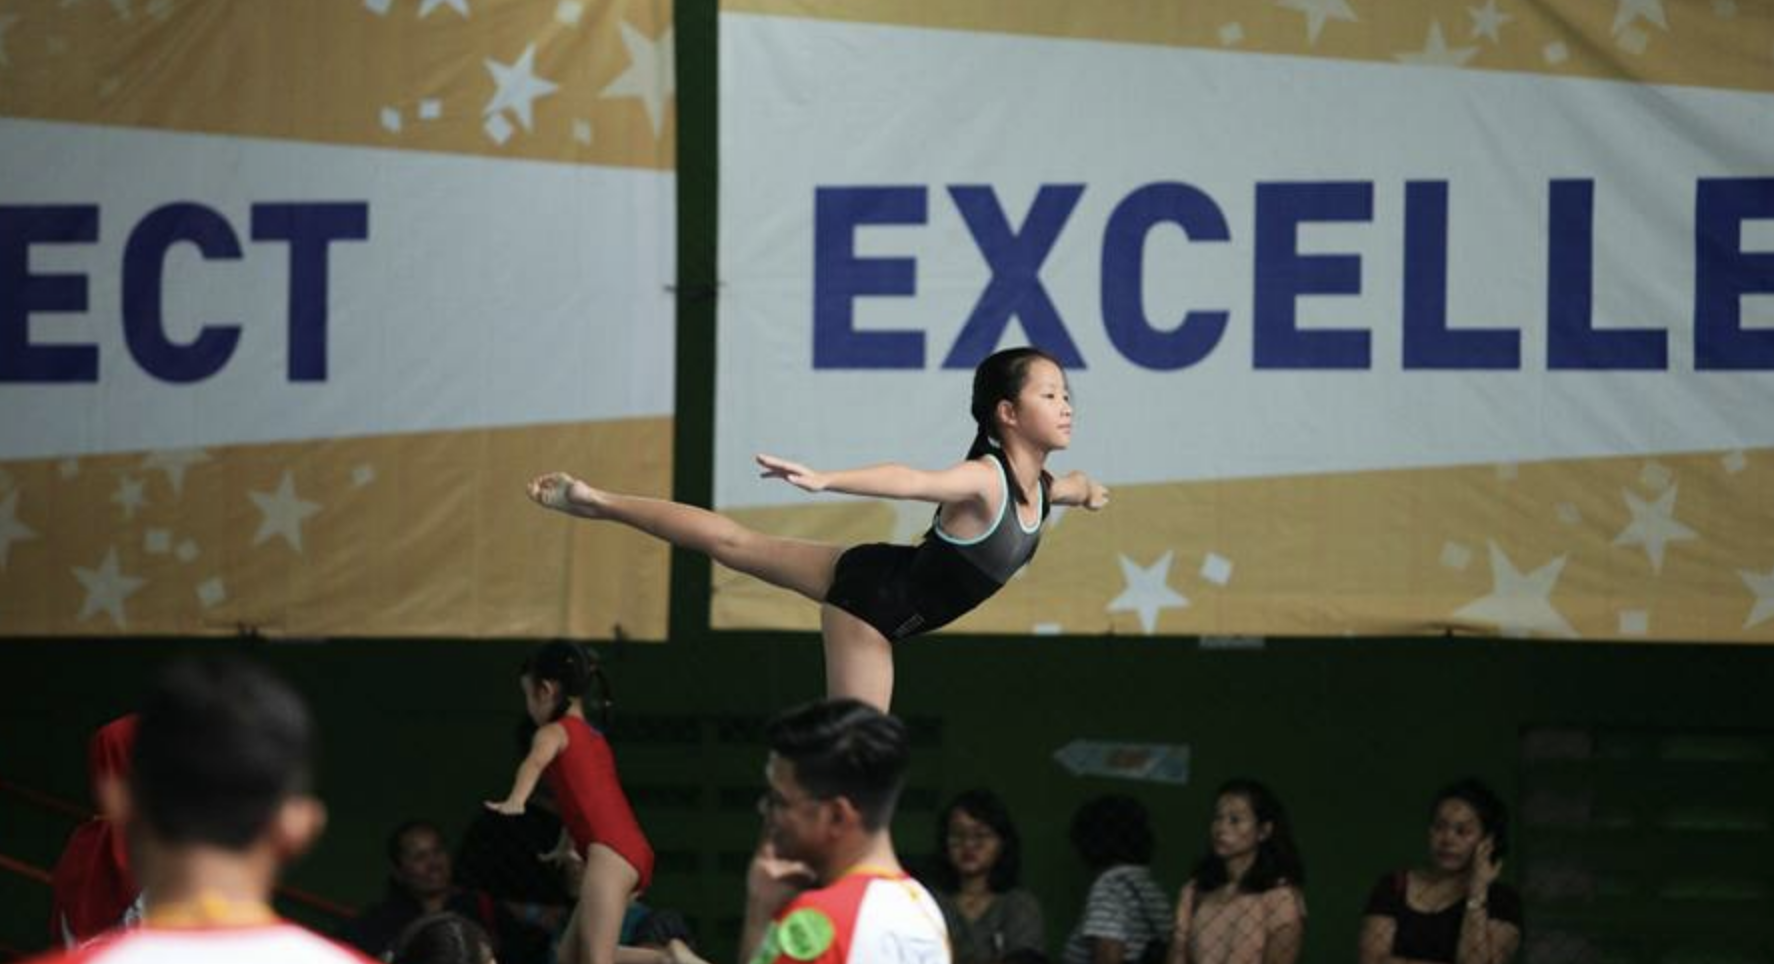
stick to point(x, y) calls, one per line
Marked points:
point(1179, 932)
point(1484, 940)
point(1107, 950)
point(1283, 944)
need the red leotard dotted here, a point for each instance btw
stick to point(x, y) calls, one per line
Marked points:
point(593, 807)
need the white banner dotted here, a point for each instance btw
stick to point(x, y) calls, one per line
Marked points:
point(1256, 267)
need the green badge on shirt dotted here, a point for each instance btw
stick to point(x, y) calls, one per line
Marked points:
point(806, 934)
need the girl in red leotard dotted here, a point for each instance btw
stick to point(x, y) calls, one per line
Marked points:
point(597, 823)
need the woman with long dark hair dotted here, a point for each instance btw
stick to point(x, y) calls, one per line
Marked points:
point(1243, 904)
point(1454, 910)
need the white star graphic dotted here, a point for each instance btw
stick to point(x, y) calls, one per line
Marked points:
point(106, 589)
point(518, 86)
point(1630, 12)
point(174, 462)
point(1653, 526)
point(426, 6)
point(1488, 21)
point(6, 21)
point(1518, 604)
point(129, 495)
point(649, 75)
point(1436, 52)
point(1317, 12)
point(1762, 584)
point(1147, 592)
point(283, 512)
point(11, 530)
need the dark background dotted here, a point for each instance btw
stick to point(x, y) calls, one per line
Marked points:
point(1354, 734)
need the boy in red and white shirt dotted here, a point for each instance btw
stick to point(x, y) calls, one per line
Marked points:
point(216, 802)
point(835, 771)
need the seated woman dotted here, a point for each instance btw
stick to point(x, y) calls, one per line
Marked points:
point(1242, 904)
point(975, 877)
point(1454, 910)
point(1126, 911)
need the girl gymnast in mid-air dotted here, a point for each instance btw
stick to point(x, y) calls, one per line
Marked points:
point(990, 509)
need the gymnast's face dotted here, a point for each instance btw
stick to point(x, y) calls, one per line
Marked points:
point(1043, 409)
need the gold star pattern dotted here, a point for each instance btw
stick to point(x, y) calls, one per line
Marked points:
point(358, 73)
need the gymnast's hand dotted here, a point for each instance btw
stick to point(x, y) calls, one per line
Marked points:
point(1096, 496)
point(794, 473)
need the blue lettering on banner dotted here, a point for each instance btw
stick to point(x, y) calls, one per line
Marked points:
point(1724, 273)
point(1015, 288)
point(310, 228)
point(23, 293)
point(1571, 339)
point(1282, 275)
point(144, 265)
point(1428, 341)
point(1124, 276)
point(840, 277)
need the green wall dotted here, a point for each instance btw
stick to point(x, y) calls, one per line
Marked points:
point(1353, 733)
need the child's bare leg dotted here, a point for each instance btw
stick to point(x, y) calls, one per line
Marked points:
point(604, 893)
point(858, 659)
point(794, 564)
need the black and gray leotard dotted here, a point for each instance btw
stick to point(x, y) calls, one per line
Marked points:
point(906, 590)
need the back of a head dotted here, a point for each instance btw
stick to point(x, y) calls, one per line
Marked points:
point(845, 748)
point(220, 745)
point(564, 663)
point(1111, 830)
point(443, 938)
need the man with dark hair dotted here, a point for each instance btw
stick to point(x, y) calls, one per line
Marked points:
point(218, 800)
point(421, 882)
point(834, 773)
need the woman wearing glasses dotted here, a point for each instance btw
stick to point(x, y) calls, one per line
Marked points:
point(975, 878)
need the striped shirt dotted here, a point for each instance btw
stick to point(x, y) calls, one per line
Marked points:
point(1125, 905)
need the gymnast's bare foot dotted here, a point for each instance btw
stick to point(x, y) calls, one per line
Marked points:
point(562, 492)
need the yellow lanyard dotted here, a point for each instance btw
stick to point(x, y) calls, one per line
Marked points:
point(209, 910)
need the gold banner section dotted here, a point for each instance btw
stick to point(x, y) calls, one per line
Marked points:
point(1700, 43)
point(411, 535)
point(582, 81)
point(1672, 548)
